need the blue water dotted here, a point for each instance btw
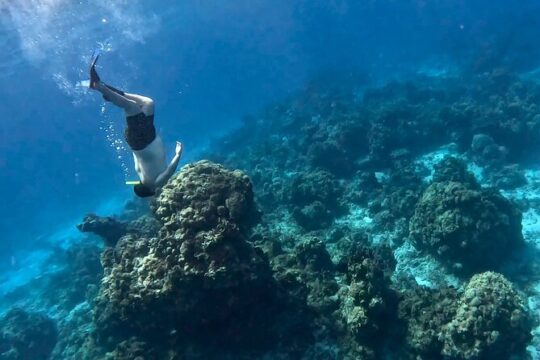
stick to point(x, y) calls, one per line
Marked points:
point(206, 64)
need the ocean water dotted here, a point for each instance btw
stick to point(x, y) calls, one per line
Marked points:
point(390, 205)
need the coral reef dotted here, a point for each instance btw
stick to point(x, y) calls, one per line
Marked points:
point(454, 169)
point(486, 152)
point(370, 146)
point(490, 321)
point(108, 228)
point(471, 229)
point(199, 277)
point(487, 320)
point(111, 229)
point(347, 304)
point(493, 159)
point(368, 304)
point(393, 206)
point(144, 225)
point(316, 199)
point(26, 335)
point(318, 248)
point(205, 195)
point(426, 311)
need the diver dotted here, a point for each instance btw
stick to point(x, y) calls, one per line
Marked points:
point(147, 147)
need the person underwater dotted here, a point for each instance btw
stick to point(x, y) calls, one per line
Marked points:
point(140, 134)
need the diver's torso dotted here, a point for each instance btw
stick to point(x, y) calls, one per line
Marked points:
point(150, 161)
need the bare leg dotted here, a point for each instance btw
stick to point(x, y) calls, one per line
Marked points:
point(130, 107)
point(132, 104)
point(146, 104)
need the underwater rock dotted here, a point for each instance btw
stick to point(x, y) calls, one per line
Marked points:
point(367, 304)
point(343, 133)
point(486, 320)
point(330, 156)
point(334, 147)
point(313, 256)
point(199, 278)
point(318, 274)
point(316, 199)
point(425, 311)
point(491, 321)
point(312, 216)
point(307, 276)
point(205, 195)
point(333, 132)
point(393, 206)
point(304, 289)
point(362, 188)
point(485, 151)
point(505, 112)
point(492, 157)
point(26, 335)
point(108, 228)
point(145, 225)
point(469, 229)
point(453, 169)
point(403, 121)
point(348, 306)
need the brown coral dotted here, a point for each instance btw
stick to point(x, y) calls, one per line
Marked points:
point(471, 229)
point(198, 274)
point(491, 321)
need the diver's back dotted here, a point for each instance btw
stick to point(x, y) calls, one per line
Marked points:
point(150, 162)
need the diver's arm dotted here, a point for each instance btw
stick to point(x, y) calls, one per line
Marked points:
point(166, 175)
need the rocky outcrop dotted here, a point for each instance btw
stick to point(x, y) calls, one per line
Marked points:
point(491, 321)
point(108, 228)
point(315, 199)
point(367, 304)
point(468, 228)
point(425, 311)
point(487, 319)
point(199, 278)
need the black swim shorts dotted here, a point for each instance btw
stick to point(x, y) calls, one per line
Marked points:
point(140, 131)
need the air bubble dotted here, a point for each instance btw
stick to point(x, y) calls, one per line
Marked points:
point(110, 128)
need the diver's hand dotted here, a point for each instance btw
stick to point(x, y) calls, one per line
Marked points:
point(179, 148)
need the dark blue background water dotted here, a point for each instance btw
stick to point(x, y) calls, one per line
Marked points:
point(205, 64)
